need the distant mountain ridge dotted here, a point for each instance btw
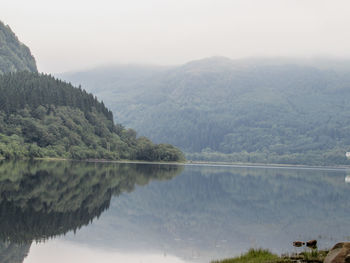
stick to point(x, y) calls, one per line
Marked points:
point(41, 116)
point(14, 55)
point(253, 110)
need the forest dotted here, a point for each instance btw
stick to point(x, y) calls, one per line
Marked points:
point(218, 109)
point(41, 116)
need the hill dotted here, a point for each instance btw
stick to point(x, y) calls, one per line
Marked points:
point(14, 56)
point(269, 111)
point(41, 116)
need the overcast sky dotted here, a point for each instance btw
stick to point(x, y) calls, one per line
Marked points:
point(69, 35)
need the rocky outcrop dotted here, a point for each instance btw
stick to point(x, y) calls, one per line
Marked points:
point(340, 253)
point(14, 55)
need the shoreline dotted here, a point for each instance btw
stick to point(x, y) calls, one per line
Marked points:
point(205, 163)
point(270, 165)
point(265, 256)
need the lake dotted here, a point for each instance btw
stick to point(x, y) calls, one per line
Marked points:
point(59, 211)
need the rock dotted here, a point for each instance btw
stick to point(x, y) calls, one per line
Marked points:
point(298, 243)
point(312, 244)
point(340, 253)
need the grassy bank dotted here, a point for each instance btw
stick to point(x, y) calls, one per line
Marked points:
point(265, 256)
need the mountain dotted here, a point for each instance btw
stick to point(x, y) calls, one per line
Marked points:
point(14, 56)
point(253, 110)
point(41, 116)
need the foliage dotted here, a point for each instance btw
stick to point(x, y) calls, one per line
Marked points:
point(237, 111)
point(265, 256)
point(14, 56)
point(330, 157)
point(252, 256)
point(41, 116)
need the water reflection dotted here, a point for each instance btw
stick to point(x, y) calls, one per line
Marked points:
point(202, 214)
point(69, 252)
point(40, 200)
point(208, 213)
point(12, 252)
point(347, 179)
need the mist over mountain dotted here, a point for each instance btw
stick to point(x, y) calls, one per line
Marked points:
point(253, 110)
point(41, 116)
point(14, 56)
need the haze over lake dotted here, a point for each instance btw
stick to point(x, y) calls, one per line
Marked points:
point(162, 213)
point(175, 131)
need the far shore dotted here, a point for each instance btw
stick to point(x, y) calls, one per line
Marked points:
point(206, 163)
point(270, 165)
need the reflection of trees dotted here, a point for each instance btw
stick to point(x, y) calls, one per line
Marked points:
point(229, 207)
point(13, 253)
point(39, 200)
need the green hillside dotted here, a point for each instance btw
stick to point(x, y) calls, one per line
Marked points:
point(14, 56)
point(41, 116)
point(269, 111)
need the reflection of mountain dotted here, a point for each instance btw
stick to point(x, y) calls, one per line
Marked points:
point(216, 212)
point(39, 200)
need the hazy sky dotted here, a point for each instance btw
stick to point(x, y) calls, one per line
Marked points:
point(68, 35)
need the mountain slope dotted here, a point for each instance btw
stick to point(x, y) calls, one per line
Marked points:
point(41, 116)
point(248, 111)
point(14, 56)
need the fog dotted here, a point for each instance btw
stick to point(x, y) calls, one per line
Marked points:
point(70, 35)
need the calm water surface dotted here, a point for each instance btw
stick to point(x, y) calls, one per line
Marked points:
point(95, 212)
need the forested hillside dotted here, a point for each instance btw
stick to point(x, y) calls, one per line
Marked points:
point(274, 111)
point(14, 56)
point(41, 116)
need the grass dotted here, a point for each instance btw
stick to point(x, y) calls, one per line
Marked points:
point(314, 255)
point(265, 256)
point(252, 256)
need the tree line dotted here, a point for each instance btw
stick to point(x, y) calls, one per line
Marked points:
point(41, 116)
